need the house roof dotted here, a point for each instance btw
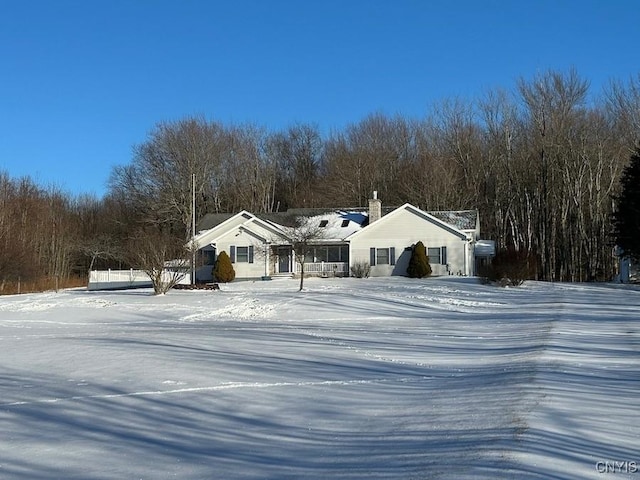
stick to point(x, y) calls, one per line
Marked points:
point(247, 220)
point(407, 207)
point(278, 219)
point(211, 220)
point(338, 224)
point(290, 217)
point(461, 219)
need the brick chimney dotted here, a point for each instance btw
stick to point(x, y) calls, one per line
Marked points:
point(375, 208)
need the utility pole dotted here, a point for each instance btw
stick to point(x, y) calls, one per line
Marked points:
point(193, 228)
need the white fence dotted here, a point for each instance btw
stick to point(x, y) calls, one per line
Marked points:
point(118, 279)
point(114, 279)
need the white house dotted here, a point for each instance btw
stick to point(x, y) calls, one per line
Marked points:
point(252, 243)
point(260, 245)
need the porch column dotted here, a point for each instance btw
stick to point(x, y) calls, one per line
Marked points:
point(466, 259)
point(266, 258)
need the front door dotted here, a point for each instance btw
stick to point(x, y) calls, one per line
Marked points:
point(284, 259)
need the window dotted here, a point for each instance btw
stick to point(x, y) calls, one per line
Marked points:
point(437, 255)
point(241, 254)
point(323, 223)
point(321, 254)
point(333, 254)
point(345, 223)
point(382, 256)
point(330, 253)
point(207, 257)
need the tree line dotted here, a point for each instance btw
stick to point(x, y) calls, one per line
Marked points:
point(541, 162)
point(43, 233)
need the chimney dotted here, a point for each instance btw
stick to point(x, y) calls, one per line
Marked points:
point(375, 208)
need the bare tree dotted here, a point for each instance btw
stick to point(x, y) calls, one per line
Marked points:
point(101, 247)
point(39, 232)
point(161, 255)
point(158, 183)
point(303, 236)
point(623, 105)
point(297, 155)
point(552, 102)
point(503, 134)
point(251, 174)
point(15, 261)
point(458, 147)
point(370, 155)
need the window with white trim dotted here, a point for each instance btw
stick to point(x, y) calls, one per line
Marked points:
point(241, 254)
point(434, 255)
point(382, 256)
point(437, 255)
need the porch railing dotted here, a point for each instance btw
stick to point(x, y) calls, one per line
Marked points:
point(326, 268)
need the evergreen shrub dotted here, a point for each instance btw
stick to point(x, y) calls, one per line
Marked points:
point(626, 218)
point(419, 266)
point(223, 270)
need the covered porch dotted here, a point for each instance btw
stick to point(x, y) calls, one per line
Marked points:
point(320, 260)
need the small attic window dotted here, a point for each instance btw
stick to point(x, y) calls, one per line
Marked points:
point(323, 223)
point(345, 223)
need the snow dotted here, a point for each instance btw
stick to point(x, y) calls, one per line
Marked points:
point(385, 378)
point(334, 231)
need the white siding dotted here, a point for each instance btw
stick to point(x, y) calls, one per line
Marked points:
point(242, 238)
point(241, 231)
point(231, 224)
point(402, 230)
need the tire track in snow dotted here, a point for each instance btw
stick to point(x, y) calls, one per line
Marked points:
point(225, 386)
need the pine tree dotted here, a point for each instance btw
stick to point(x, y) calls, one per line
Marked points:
point(223, 270)
point(419, 263)
point(626, 218)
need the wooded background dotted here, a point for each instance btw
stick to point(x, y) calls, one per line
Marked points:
point(541, 162)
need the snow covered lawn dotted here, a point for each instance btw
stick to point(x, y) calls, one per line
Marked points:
point(353, 379)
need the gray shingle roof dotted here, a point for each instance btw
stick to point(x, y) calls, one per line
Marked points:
point(460, 219)
point(210, 220)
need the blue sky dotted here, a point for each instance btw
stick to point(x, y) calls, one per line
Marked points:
point(83, 81)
